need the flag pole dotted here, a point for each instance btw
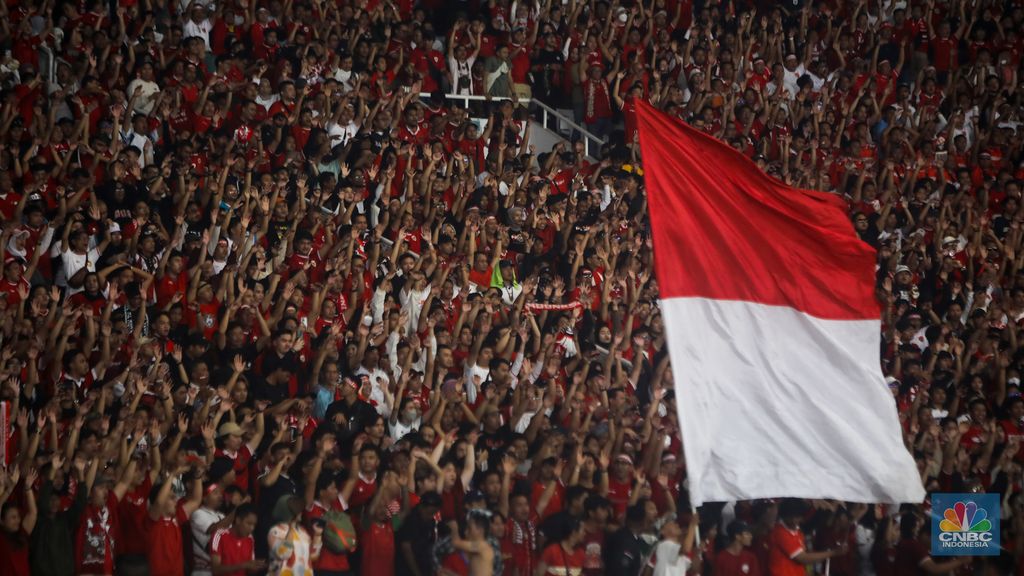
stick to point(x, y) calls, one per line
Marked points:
point(696, 531)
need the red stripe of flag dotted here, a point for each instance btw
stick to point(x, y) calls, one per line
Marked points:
point(737, 234)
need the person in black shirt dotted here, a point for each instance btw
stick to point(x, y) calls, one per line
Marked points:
point(273, 484)
point(575, 498)
point(623, 551)
point(350, 414)
point(415, 539)
point(273, 387)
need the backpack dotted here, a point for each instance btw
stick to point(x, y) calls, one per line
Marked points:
point(339, 533)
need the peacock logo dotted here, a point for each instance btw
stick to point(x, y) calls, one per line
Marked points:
point(965, 517)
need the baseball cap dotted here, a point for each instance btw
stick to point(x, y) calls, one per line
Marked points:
point(229, 429)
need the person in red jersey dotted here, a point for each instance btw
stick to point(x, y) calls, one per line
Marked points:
point(167, 514)
point(736, 558)
point(788, 555)
point(232, 550)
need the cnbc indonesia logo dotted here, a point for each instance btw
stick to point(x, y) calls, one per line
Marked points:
point(969, 524)
point(966, 524)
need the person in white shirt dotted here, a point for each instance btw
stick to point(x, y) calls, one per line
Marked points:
point(407, 418)
point(379, 382)
point(143, 90)
point(138, 137)
point(198, 25)
point(793, 69)
point(78, 259)
point(343, 126)
point(461, 60)
point(206, 520)
point(671, 555)
point(344, 74)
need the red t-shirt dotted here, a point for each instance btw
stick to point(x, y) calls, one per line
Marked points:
point(362, 493)
point(742, 564)
point(593, 553)
point(168, 285)
point(521, 543)
point(232, 549)
point(164, 549)
point(558, 561)
point(554, 504)
point(452, 502)
point(618, 495)
point(378, 546)
point(241, 461)
point(784, 545)
point(910, 552)
point(8, 204)
point(943, 50)
point(131, 516)
point(14, 555)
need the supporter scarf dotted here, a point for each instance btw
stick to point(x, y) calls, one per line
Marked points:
point(528, 536)
point(537, 306)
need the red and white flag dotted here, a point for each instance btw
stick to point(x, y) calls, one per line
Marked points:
point(773, 330)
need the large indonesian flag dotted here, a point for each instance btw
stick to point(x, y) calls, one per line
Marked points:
point(773, 330)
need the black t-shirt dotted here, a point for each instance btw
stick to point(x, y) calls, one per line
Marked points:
point(420, 534)
point(269, 496)
point(359, 415)
point(273, 393)
point(248, 353)
point(496, 440)
point(270, 362)
point(623, 554)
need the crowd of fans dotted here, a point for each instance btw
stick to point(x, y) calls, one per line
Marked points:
point(272, 304)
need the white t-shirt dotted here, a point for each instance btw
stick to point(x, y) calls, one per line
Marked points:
point(399, 430)
point(789, 79)
point(476, 375)
point(144, 103)
point(462, 71)
point(200, 522)
point(268, 101)
point(378, 381)
point(667, 561)
point(340, 135)
point(73, 262)
point(198, 29)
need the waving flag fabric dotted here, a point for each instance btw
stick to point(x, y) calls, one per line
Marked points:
point(773, 330)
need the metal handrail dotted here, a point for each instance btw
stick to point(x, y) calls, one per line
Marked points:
point(545, 113)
